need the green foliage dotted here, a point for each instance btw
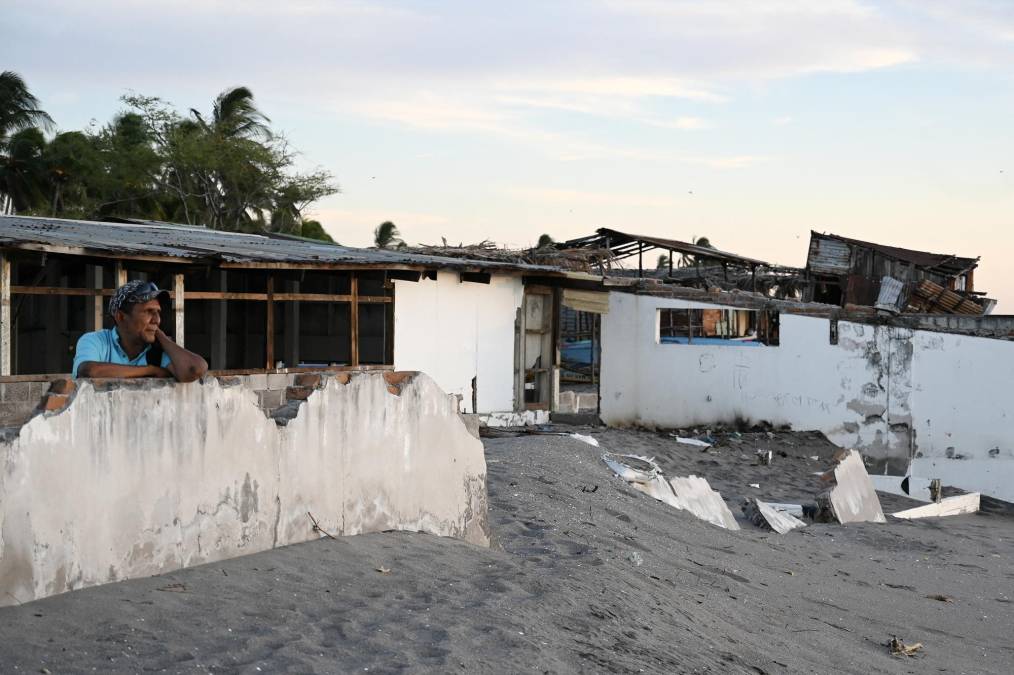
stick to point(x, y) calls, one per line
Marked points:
point(545, 241)
point(312, 229)
point(386, 235)
point(225, 170)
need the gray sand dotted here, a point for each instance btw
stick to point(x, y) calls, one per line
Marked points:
point(587, 575)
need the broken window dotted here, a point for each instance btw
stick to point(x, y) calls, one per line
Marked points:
point(725, 327)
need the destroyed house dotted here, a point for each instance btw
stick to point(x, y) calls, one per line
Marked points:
point(265, 304)
point(845, 271)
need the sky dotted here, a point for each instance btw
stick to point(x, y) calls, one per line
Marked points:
point(749, 122)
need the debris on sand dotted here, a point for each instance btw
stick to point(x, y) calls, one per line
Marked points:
point(691, 441)
point(853, 498)
point(948, 506)
point(586, 439)
point(778, 518)
point(899, 648)
point(690, 493)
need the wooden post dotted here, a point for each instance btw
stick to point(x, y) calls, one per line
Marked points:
point(94, 279)
point(354, 321)
point(670, 262)
point(291, 337)
point(269, 332)
point(178, 308)
point(640, 259)
point(121, 274)
point(219, 325)
point(5, 314)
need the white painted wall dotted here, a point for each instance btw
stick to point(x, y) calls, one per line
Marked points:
point(454, 331)
point(894, 393)
point(146, 477)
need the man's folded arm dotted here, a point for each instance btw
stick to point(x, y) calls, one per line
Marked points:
point(114, 370)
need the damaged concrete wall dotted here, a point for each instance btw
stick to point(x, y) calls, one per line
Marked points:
point(143, 477)
point(936, 401)
point(456, 331)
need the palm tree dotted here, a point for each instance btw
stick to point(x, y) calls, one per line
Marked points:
point(387, 236)
point(235, 115)
point(687, 259)
point(22, 174)
point(21, 144)
point(19, 109)
point(663, 261)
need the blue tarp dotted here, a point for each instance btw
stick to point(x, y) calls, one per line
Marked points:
point(673, 340)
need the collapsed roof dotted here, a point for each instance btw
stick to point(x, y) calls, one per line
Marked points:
point(188, 244)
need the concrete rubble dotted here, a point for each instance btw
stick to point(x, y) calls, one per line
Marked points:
point(853, 498)
point(690, 493)
point(948, 506)
point(775, 517)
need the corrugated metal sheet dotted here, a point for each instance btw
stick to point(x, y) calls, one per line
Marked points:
point(182, 242)
point(943, 263)
point(890, 294)
point(828, 256)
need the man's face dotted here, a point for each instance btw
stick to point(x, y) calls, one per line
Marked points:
point(142, 320)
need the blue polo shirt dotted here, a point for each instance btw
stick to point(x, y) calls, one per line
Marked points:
point(103, 346)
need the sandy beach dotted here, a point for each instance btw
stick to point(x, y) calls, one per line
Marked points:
point(585, 575)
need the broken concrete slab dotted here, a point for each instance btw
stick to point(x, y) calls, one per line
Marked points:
point(769, 517)
point(948, 506)
point(691, 493)
point(695, 495)
point(853, 498)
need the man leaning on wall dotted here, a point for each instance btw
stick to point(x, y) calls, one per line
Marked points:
point(136, 345)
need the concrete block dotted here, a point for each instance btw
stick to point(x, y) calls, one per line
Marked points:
point(298, 393)
point(16, 391)
point(36, 390)
point(307, 380)
point(15, 413)
point(256, 382)
point(64, 387)
point(53, 402)
point(565, 402)
point(277, 380)
point(270, 399)
point(587, 402)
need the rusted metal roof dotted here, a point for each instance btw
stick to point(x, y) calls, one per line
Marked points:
point(828, 256)
point(943, 263)
point(625, 244)
point(183, 243)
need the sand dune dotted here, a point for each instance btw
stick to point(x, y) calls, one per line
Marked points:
point(586, 575)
